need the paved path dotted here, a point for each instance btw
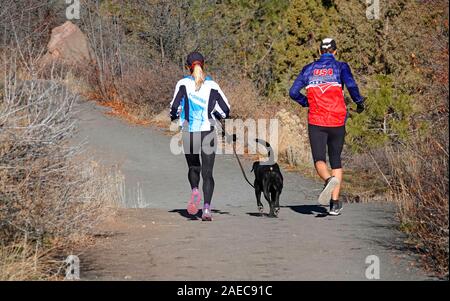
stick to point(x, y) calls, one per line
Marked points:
point(160, 242)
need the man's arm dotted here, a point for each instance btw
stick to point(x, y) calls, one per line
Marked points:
point(298, 85)
point(352, 87)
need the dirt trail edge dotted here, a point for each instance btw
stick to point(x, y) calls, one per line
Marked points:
point(154, 239)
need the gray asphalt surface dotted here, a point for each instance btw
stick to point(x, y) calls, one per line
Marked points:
point(302, 244)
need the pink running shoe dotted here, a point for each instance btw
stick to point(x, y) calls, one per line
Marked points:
point(193, 204)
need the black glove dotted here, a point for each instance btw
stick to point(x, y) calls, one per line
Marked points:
point(360, 108)
point(172, 117)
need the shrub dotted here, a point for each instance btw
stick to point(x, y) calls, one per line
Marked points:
point(387, 118)
point(242, 96)
point(420, 188)
point(146, 89)
point(50, 195)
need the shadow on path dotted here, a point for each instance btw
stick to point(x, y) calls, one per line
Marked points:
point(317, 210)
point(184, 213)
point(258, 214)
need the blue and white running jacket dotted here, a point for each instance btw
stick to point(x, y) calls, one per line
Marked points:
point(198, 109)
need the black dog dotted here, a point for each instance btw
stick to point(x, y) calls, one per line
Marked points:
point(269, 181)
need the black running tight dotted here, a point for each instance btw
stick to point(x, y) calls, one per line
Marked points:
point(196, 145)
point(320, 137)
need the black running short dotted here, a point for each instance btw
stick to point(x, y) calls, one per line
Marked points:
point(321, 137)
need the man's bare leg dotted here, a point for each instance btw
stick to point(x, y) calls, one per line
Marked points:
point(338, 174)
point(325, 195)
point(322, 170)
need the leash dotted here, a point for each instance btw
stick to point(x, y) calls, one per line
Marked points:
point(235, 154)
point(240, 164)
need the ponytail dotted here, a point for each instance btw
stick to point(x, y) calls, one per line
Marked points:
point(199, 76)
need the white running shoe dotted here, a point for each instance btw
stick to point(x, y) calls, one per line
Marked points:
point(325, 195)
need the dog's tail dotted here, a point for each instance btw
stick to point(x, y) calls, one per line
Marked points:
point(267, 145)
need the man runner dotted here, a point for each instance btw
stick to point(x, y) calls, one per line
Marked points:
point(324, 81)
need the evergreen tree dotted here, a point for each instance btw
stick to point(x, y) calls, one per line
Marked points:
point(305, 24)
point(386, 118)
point(239, 36)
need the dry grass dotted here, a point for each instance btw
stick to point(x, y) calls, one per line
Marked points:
point(21, 261)
point(146, 89)
point(420, 167)
point(51, 196)
point(122, 110)
point(137, 95)
point(420, 189)
point(243, 97)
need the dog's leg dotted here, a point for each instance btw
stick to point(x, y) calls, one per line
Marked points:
point(258, 198)
point(277, 202)
point(272, 203)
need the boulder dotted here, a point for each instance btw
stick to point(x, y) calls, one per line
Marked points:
point(293, 141)
point(68, 45)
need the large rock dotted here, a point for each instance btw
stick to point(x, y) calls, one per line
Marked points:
point(293, 141)
point(68, 45)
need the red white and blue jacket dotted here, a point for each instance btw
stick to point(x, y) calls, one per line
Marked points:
point(324, 81)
